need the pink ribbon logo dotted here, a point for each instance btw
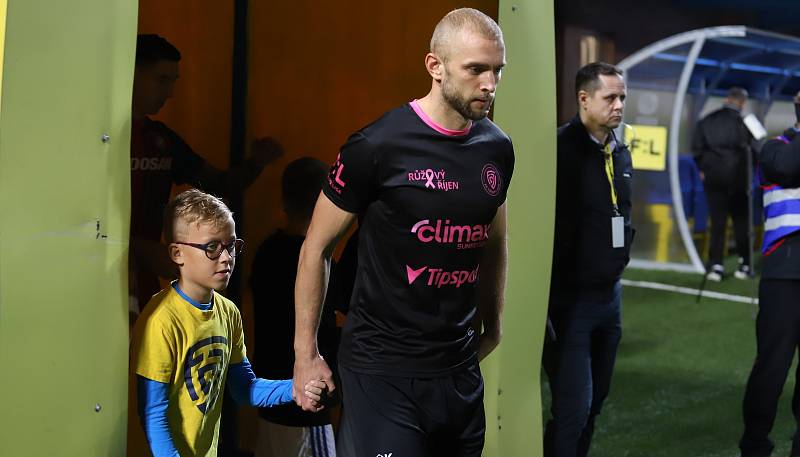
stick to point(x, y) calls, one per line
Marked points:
point(429, 175)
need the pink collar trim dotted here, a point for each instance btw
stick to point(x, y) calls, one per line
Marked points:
point(432, 124)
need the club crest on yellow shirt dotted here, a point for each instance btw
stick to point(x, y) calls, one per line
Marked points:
point(203, 371)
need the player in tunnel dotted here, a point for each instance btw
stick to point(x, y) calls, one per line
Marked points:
point(160, 158)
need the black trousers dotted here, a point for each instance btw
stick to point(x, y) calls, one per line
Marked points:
point(579, 366)
point(777, 337)
point(721, 203)
point(419, 417)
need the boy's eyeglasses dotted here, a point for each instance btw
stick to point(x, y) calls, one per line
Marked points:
point(213, 249)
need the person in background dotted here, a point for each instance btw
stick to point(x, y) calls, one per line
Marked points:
point(592, 244)
point(721, 145)
point(287, 430)
point(778, 322)
point(161, 158)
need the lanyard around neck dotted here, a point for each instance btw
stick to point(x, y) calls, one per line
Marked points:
point(609, 166)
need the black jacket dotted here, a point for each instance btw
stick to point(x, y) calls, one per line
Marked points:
point(721, 143)
point(780, 164)
point(585, 266)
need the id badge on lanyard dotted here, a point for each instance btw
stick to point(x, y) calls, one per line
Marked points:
point(617, 232)
point(617, 221)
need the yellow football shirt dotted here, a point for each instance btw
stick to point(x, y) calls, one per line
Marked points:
point(189, 349)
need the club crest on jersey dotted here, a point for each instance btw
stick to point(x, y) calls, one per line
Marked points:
point(491, 179)
point(433, 179)
point(203, 371)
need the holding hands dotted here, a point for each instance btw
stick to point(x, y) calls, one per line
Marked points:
point(318, 379)
point(312, 394)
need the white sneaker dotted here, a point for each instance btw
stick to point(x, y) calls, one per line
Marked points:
point(716, 273)
point(743, 272)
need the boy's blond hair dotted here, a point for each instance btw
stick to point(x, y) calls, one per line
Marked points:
point(194, 207)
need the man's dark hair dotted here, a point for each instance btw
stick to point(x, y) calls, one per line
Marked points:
point(151, 48)
point(588, 77)
point(300, 185)
point(738, 93)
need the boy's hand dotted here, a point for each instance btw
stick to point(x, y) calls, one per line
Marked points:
point(314, 391)
point(308, 370)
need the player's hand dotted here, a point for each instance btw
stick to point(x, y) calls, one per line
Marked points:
point(487, 342)
point(306, 371)
point(702, 176)
point(266, 150)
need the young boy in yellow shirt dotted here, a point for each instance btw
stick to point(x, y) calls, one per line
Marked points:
point(189, 344)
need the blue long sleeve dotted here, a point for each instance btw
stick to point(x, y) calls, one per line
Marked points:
point(153, 402)
point(246, 389)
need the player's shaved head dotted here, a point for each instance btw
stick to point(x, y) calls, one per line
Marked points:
point(462, 20)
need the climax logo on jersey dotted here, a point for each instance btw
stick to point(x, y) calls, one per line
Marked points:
point(436, 180)
point(440, 278)
point(442, 232)
point(491, 179)
point(203, 369)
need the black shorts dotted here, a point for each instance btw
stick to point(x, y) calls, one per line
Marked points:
point(389, 416)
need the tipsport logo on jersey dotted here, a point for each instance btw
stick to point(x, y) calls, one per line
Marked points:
point(203, 371)
point(438, 277)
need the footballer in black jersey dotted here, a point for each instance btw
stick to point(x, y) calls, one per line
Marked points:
point(426, 201)
point(427, 183)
